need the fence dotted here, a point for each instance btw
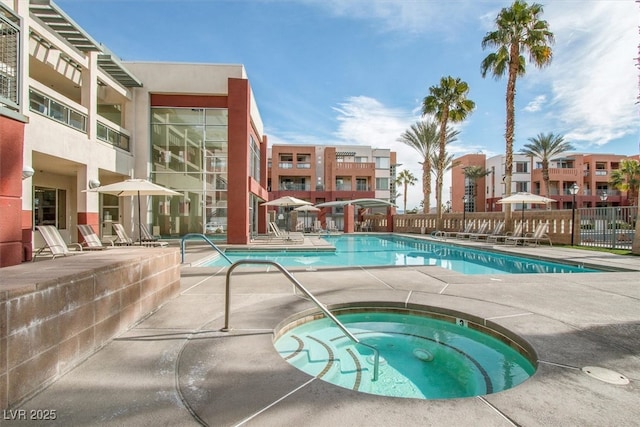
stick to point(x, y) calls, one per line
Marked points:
point(607, 227)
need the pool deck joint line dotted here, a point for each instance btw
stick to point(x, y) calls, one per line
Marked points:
point(228, 379)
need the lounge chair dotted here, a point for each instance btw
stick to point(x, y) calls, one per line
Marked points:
point(300, 226)
point(500, 238)
point(124, 239)
point(482, 229)
point(54, 242)
point(91, 239)
point(540, 233)
point(286, 236)
point(331, 226)
point(317, 226)
point(146, 235)
point(497, 231)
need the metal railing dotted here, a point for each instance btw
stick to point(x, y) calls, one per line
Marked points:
point(298, 285)
point(607, 227)
point(206, 239)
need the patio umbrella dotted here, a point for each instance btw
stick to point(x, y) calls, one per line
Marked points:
point(306, 209)
point(524, 198)
point(286, 201)
point(135, 187)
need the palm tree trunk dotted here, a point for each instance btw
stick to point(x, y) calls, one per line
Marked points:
point(426, 186)
point(406, 185)
point(514, 64)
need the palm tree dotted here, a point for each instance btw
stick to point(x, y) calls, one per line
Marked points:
point(472, 174)
point(519, 29)
point(449, 164)
point(448, 102)
point(627, 178)
point(545, 147)
point(406, 178)
point(423, 137)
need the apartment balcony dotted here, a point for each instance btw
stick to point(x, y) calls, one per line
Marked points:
point(349, 167)
point(558, 174)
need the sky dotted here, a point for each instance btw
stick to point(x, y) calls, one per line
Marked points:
point(355, 72)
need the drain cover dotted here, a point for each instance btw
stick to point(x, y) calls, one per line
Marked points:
point(606, 375)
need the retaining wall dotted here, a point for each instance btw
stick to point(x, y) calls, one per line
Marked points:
point(56, 313)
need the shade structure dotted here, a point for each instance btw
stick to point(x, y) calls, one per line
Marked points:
point(524, 198)
point(287, 201)
point(306, 209)
point(365, 203)
point(135, 187)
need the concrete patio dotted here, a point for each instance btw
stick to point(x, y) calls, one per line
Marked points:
point(177, 368)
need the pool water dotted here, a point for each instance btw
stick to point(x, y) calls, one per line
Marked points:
point(386, 250)
point(420, 357)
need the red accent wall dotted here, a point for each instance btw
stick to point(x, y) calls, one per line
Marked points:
point(11, 236)
point(238, 175)
point(91, 218)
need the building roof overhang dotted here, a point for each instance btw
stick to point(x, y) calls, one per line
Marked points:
point(55, 18)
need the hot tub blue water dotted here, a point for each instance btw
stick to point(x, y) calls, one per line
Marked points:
point(420, 357)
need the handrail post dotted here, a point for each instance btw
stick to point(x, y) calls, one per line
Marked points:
point(297, 284)
point(206, 239)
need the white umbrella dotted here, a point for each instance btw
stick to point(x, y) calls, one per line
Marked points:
point(524, 198)
point(305, 209)
point(286, 201)
point(135, 187)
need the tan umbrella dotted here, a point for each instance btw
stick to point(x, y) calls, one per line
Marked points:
point(525, 198)
point(135, 187)
point(287, 201)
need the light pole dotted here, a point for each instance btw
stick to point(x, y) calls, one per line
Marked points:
point(573, 190)
point(448, 206)
point(603, 197)
point(464, 212)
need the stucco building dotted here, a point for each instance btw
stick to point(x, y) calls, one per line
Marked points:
point(73, 116)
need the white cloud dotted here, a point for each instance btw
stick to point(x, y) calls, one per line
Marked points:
point(536, 104)
point(593, 77)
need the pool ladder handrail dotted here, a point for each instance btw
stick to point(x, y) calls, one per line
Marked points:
point(206, 239)
point(297, 284)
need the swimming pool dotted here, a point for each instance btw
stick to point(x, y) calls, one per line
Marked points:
point(354, 250)
point(420, 357)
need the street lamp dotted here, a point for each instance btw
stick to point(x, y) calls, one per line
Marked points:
point(448, 206)
point(573, 190)
point(464, 212)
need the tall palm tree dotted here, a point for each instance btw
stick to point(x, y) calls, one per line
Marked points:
point(406, 178)
point(448, 102)
point(423, 137)
point(448, 162)
point(545, 147)
point(627, 178)
point(519, 30)
point(472, 174)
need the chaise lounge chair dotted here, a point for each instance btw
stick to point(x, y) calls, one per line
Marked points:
point(286, 236)
point(497, 231)
point(501, 238)
point(91, 239)
point(124, 239)
point(482, 229)
point(540, 233)
point(54, 242)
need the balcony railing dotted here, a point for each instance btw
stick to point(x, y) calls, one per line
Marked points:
point(294, 187)
point(42, 104)
point(112, 136)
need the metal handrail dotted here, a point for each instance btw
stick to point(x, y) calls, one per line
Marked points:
point(298, 285)
point(206, 239)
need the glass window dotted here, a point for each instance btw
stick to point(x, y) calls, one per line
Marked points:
point(382, 183)
point(50, 207)
point(522, 167)
point(189, 148)
point(382, 163)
